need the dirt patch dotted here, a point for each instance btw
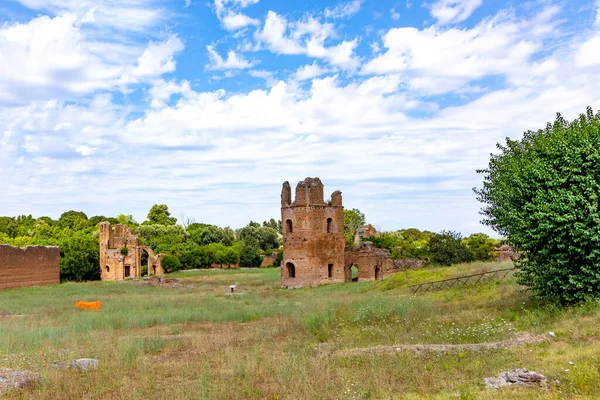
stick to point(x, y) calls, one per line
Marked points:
point(6, 315)
point(520, 339)
point(163, 282)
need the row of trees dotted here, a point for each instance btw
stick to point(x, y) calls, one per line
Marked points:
point(191, 245)
point(188, 245)
point(444, 248)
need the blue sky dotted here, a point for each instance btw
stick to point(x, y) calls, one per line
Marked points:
point(208, 106)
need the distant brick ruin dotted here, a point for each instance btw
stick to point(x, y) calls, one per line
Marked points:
point(314, 247)
point(506, 253)
point(29, 266)
point(121, 254)
point(364, 232)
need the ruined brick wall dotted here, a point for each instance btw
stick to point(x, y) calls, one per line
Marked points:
point(268, 260)
point(506, 253)
point(365, 232)
point(29, 266)
point(313, 235)
point(115, 265)
point(372, 263)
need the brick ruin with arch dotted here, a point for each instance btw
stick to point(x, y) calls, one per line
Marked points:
point(121, 254)
point(314, 246)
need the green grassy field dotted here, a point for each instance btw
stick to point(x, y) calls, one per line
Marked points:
point(197, 341)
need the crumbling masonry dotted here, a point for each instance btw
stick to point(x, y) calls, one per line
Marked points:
point(121, 254)
point(314, 247)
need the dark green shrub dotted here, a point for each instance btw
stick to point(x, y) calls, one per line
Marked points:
point(171, 263)
point(447, 248)
point(543, 194)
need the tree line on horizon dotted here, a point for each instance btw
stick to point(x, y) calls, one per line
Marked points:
point(191, 245)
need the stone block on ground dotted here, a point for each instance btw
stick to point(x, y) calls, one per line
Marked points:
point(85, 364)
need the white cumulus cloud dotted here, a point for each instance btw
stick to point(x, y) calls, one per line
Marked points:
point(233, 60)
point(453, 11)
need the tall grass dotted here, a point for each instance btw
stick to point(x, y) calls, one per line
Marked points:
point(199, 341)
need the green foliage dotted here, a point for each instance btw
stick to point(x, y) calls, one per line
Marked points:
point(9, 227)
point(73, 220)
point(171, 263)
point(124, 250)
point(260, 236)
point(447, 248)
point(126, 220)
point(353, 219)
point(543, 194)
point(162, 238)
point(406, 243)
point(80, 257)
point(278, 259)
point(227, 256)
point(159, 215)
point(250, 256)
point(273, 224)
point(481, 246)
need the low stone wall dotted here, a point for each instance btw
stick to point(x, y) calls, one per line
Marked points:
point(29, 266)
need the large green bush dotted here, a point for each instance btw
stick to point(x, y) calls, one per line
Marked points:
point(80, 257)
point(543, 194)
point(447, 248)
point(171, 263)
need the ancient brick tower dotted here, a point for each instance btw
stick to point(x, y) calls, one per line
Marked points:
point(313, 235)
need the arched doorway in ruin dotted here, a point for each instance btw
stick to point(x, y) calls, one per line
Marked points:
point(144, 262)
point(377, 272)
point(291, 270)
point(351, 273)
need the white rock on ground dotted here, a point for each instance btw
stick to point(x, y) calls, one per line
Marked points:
point(85, 364)
point(516, 377)
point(14, 379)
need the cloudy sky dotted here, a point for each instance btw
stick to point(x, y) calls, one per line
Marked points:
point(209, 105)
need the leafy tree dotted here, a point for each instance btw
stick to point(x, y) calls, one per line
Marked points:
point(227, 256)
point(250, 256)
point(96, 219)
point(278, 259)
point(481, 246)
point(196, 226)
point(228, 236)
point(353, 219)
point(159, 215)
point(194, 256)
point(79, 259)
point(9, 227)
point(162, 238)
point(171, 263)
point(26, 225)
point(447, 248)
point(543, 194)
point(259, 236)
point(273, 224)
point(210, 234)
point(73, 220)
point(126, 220)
